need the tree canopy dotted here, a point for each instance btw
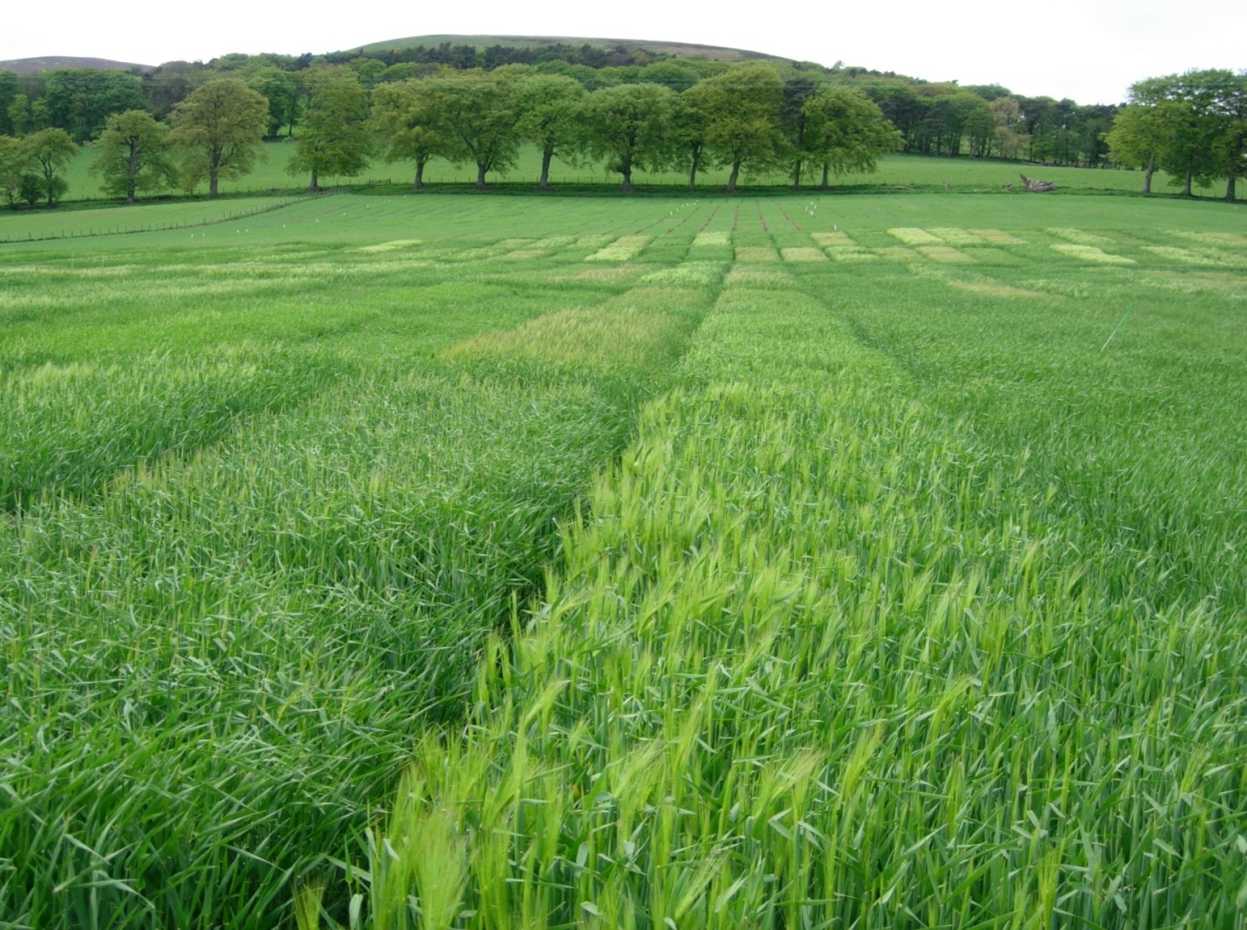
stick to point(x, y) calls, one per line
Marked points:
point(631, 127)
point(133, 155)
point(333, 138)
point(218, 129)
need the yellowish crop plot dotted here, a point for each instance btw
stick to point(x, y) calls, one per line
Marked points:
point(944, 253)
point(624, 331)
point(554, 242)
point(525, 254)
point(712, 238)
point(911, 235)
point(752, 276)
point(756, 253)
point(806, 253)
point(593, 241)
point(623, 249)
point(997, 237)
point(1090, 253)
point(689, 274)
point(994, 289)
point(1186, 256)
point(1227, 286)
point(952, 235)
point(1217, 238)
point(850, 253)
point(391, 245)
point(1079, 236)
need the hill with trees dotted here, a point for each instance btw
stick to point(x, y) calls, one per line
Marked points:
point(58, 62)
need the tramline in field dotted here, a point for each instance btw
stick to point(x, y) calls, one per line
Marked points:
point(473, 562)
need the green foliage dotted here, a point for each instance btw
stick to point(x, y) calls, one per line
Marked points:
point(552, 109)
point(845, 132)
point(133, 155)
point(281, 90)
point(81, 100)
point(218, 129)
point(14, 160)
point(631, 126)
point(49, 151)
point(333, 135)
point(741, 109)
point(482, 117)
point(411, 122)
point(1194, 124)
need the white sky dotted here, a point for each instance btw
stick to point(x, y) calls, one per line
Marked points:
point(1089, 50)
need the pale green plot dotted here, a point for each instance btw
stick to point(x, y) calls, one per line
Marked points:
point(802, 254)
point(1090, 253)
point(914, 236)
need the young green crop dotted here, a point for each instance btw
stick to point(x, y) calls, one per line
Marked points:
point(724, 563)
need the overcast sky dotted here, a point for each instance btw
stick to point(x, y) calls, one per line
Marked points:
point(1089, 50)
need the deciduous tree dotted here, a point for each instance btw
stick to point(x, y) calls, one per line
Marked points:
point(409, 119)
point(50, 150)
point(133, 155)
point(79, 100)
point(741, 109)
point(486, 112)
point(689, 126)
point(1140, 135)
point(14, 162)
point(281, 90)
point(846, 132)
point(333, 135)
point(219, 129)
point(551, 115)
point(630, 126)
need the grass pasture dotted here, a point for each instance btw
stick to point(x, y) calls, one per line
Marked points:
point(460, 562)
point(916, 172)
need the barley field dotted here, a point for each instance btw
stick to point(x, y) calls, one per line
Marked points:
point(488, 562)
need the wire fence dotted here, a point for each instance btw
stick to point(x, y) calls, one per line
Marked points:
point(126, 228)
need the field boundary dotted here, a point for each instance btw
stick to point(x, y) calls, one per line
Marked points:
point(126, 229)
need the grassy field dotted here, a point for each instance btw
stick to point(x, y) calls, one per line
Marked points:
point(866, 561)
point(919, 172)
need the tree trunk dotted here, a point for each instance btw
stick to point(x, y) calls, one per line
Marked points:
point(1230, 193)
point(625, 169)
point(692, 172)
point(796, 176)
point(131, 176)
point(546, 157)
point(419, 181)
point(1190, 171)
point(1147, 174)
point(314, 187)
point(480, 176)
point(731, 181)
point(826, 176)
point(212, 184)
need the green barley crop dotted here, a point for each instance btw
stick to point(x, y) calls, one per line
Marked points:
point(395, 562)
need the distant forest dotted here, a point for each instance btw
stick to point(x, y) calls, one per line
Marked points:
point(939, 119)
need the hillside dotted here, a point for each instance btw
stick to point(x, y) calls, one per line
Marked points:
point(55, 62)
point(685, 49)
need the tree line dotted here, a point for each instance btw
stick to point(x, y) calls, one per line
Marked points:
point(933, 118)
point(395, 105)
point(746, 119)
point(1191, 125)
